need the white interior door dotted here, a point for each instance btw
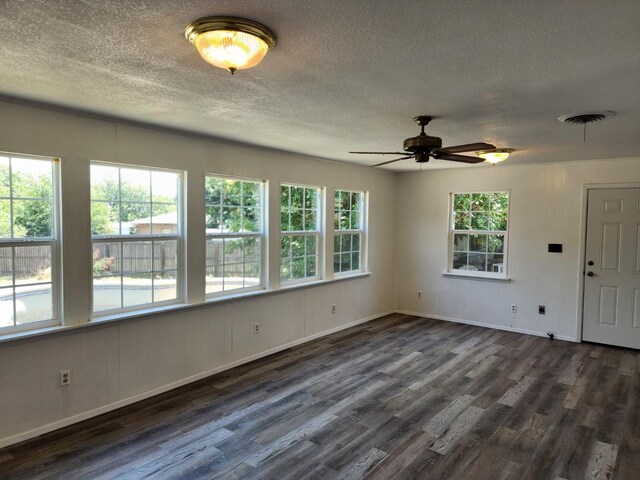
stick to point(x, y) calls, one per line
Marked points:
point(612, 268)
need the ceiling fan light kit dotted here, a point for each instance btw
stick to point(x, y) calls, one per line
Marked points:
point(423, 147)
point(231, 43)
point(495, 155)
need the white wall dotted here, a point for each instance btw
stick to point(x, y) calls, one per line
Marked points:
point(546, 207)
point(116, 363)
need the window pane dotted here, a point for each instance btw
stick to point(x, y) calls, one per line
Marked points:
point(107, 293)
point(355, 201)
point(355, 220)
point(251, 274)
point(32, 264)
point(311, 245)
point(355, 242)
point(311, 266)
point(135, 185)
point(213, 191)
point(32, 218)
point(6, 267)
point(495, 263)
point(460, 261)
point(355, 261)
point(285, 269)
point(135, 218)
point(165, 286)
point(105, 183)
point(462, 221)
point(136, 257)
point(336, 262)
point(164, 186)
point(345, 200)
point(298, 268)
point(5, 218)
point(460, 242)
point(285, 246)
point(214, 279)
point(213, 218)
point(498, 220)
point(104, 219)
point(337, 242)
point(285, 196)
point(310, 198)
point(233, 252)
point(344, 220)
point(164, 220)
point(480, 202)
point(165, 255)
point(296, 195)
point(33, 303)
point(310, 220)
point(297, 246)
point(251, 194)
point(495, 243)
point(462, 202)
point(4, 177)
point(107, 259)
point(478, 262)
point(285, 219)
point(250, 219)
point(31, 178)
point(346, 243)
point(477, 243)
point(479, 221)
point(296, 220)
point(345, 262)
point(137, 289)
point(6, 307)
point(252, 250)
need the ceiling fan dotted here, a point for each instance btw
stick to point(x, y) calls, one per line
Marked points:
point(423, 146)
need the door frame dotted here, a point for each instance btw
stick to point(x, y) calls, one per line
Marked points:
point(582, 249)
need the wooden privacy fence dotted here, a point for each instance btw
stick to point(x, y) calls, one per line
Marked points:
point(137, 256)
point(29, 261)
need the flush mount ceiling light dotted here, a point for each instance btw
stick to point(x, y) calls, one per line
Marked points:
point(231, 43)
point(495, 155)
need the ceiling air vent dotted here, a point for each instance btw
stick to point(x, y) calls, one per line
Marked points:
point(584, 118)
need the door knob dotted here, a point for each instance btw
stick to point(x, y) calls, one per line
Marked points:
point(589, 274)
point(590, 263)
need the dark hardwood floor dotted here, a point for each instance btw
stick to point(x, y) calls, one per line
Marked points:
point(401, 397)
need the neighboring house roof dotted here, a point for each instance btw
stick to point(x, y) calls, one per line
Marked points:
point(164, 218)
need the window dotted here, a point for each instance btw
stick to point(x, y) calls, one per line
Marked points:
point(234, 234)
point(135, 226)
point(299, 233)
point(349, 231)
point(28, 243)
point(479, 233)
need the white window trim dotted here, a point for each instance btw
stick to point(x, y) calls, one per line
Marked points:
point(450, 272)
point(119, 238)
point(364, 232)
point(319, 233)
point(261, 235)
point(53, 242)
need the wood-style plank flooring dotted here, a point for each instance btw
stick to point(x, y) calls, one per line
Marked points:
point(401, 397)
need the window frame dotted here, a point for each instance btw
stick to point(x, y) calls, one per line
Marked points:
point(319, 233)
point(452, 231)
point(53, 242)
point(263, 192)
point(362, 231)
point(123, 239)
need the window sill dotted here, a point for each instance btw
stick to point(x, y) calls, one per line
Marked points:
point(100, 322)
point(476, 276)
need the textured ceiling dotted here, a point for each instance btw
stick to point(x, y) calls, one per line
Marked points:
point(345, 75)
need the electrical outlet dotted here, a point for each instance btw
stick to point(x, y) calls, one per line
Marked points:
point(256, 328)
point(514, 308)
point(65, 377)
point(542, 310)
point(333, 309)
point(419, 294)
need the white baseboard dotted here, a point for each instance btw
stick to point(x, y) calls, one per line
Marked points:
point(20, 437)
point(566, 338)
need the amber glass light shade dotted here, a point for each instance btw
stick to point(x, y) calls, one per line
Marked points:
point(495, 156)
point(229, 42)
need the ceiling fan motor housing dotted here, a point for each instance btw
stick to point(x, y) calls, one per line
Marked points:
point(422, 143)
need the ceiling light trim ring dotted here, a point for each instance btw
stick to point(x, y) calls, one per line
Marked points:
point(236, 24)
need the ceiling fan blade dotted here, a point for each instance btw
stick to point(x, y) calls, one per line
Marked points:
point(468, 147)
point(381, 153)
point(391, 161)
point(458, 158)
